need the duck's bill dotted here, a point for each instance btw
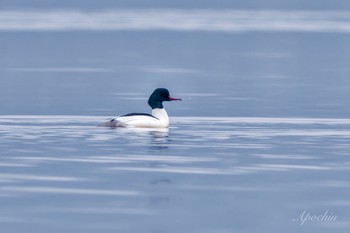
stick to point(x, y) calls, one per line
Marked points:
point(171, 98)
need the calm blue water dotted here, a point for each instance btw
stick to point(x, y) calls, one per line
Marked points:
point(110, 73)
point(260, 142)
point(206, 174)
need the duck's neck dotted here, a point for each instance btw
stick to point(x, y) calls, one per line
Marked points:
point(162, 115)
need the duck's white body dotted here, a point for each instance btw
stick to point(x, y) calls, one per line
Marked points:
point(160, 119)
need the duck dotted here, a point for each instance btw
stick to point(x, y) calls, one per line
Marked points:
point(157, 119)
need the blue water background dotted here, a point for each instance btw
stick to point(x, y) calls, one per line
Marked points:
point(261, 136)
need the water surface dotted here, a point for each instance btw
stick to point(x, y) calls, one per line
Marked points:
point(259, 142)
point(204, 174)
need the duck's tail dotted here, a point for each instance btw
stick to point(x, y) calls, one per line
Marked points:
point(112, 123)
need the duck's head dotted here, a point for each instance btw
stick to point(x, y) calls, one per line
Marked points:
point(158, 96)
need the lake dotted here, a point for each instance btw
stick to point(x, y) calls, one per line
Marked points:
point(260, 142)
point(205, 174)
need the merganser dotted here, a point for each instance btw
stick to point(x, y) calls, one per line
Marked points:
point(158, 119)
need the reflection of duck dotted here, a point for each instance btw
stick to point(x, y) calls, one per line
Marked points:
point(158, 119)
point(154, 132)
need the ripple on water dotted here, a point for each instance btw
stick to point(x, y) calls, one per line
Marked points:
point(66, 166)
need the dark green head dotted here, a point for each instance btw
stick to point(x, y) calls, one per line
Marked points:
point(158, 96)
